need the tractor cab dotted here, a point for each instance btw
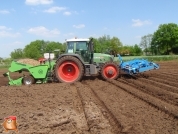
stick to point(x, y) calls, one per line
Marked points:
point(82, 47)
point(85, 49)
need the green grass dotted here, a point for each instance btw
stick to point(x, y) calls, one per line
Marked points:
point(4, 66)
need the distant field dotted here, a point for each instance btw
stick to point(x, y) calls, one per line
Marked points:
point(153, 58)
point(126, 58)
point(2, 66)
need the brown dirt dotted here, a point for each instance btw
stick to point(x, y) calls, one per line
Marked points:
point(3, 80)
point(29, 62)
point(142, 104)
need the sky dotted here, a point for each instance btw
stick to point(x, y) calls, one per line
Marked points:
point(24, 21)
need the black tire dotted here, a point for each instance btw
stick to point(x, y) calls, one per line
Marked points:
point(115, 70)
point(28, 80)
point(67, 64)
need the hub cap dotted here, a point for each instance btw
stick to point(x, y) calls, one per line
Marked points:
point(28, 81)
point(110, 72)
point(68, 71)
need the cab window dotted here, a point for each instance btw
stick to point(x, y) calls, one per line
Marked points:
point(81, 45)
point(70, 47)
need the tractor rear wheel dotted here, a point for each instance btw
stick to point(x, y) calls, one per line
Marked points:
point(69, 69)
point(110, 70)
point(28, 80)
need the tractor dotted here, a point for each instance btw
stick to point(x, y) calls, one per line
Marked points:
point(78, 60)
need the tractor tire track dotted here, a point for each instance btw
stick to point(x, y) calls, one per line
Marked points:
point(111, 102)
point(78, 106)
point(169, 72)
point(172, 74)
point(153, 90)
point(96, 111)
point(149, 99)
point(165, 81)
point(165, 77)
point(168, 76)
point(160, 85)
point(123, 105)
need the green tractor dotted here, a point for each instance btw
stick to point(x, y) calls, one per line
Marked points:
point(79, 60)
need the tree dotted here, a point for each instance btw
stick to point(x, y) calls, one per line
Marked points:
point(165, 39)
point(97, 46)
point(53, 46)
point(115, 45)
point(136, 51)
point(125, 50)
point(146, 43)
point(17, 54)
point(1, 61)
point(105, 44)
point(35, 49)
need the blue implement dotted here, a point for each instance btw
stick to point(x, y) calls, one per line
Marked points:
point(136, 66)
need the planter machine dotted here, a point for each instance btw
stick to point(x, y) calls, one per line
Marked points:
point(79, 60)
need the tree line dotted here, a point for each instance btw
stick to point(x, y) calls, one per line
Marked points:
point(36, 49)
point(103, 44)
point(163, 41)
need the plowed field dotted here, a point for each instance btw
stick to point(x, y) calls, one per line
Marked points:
point(142, 104)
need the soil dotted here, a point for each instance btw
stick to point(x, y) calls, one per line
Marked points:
point(141, 104)
point(29, 62)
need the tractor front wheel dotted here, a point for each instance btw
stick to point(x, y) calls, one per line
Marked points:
point(110, 70)
point(28, 80)
point(69, 69)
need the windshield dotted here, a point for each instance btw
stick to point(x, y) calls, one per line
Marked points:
point(78, 45)
point(82, 45)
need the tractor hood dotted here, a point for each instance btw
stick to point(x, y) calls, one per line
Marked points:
point(100, 57)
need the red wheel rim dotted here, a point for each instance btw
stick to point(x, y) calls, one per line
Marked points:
point(68, 71)
point(110, 72)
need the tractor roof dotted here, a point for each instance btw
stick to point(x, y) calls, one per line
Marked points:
point(68, 40)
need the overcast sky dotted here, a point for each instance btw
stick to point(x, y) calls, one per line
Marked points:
point(24, 21)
